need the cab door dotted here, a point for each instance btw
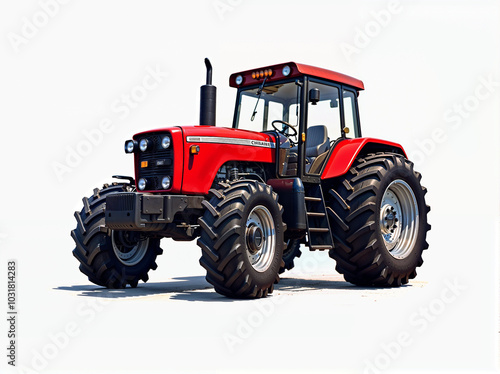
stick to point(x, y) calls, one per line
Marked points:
point(332, 116)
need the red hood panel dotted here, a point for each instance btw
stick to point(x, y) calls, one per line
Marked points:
point(217, 146)
point(223, 132)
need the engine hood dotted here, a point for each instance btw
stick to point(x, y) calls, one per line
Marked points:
point(217, 146)
point(194, 172)
point(221, 135)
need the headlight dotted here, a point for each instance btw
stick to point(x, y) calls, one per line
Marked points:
point(165, 142)
point(165, 183)
point(239, 80)
point(286, 70)
point(143, 145)
point(130, 146)
point(142, 184)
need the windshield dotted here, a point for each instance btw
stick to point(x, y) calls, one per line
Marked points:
point(277, 101)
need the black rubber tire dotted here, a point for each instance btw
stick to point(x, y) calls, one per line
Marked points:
point(291, 251)
point(94, 247)
point(223, 239)
point(355, 202)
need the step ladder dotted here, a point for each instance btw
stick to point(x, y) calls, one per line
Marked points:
point(318, 227)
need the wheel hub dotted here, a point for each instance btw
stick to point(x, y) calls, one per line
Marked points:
point(128, 247)
point(399, 219)
point(389, 221)
point(255, 239)
point(260, 236)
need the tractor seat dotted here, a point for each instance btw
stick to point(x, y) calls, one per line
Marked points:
point(317, 142)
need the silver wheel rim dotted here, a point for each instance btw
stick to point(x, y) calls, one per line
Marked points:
point(399, 219)
point(128, 253)
point(261, 221)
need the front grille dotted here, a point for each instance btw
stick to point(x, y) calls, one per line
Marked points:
point(120, 201)
point(160, 161)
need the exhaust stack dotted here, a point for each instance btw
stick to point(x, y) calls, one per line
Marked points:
point(208, 98)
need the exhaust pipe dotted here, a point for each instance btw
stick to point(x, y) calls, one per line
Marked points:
point(208, 98)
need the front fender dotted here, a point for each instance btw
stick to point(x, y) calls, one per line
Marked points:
point(347, 151)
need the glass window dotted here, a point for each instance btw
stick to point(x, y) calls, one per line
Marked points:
point(350, 118)
point(276, 102)
point(275, 111)
point(293, 114)
point(326, 111)
point(247, 106)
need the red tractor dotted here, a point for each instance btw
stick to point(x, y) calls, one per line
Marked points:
point(292, 170)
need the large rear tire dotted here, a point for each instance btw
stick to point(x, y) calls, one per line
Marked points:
point(379, 223)
point(242, 239)
point(111, 258)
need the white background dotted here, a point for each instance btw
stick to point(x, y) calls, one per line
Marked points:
point(419, 62)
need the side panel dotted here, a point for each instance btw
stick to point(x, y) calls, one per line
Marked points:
point(347, 150)
point(292, 196)
point(216, 147)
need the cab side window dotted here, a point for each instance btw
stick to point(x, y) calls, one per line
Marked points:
point(325, 112)
point(350, 117)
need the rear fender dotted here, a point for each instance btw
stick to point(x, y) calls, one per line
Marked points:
point(346, 151)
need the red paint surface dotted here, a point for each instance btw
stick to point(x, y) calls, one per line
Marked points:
point(346, 152)
point(296, 71)
point(200, 170)
point(194, 174)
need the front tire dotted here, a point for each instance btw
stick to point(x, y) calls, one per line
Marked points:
point(107, 257)
point(242, 239)
point(379, 221)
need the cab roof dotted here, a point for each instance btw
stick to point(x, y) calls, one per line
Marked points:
point(275, 72)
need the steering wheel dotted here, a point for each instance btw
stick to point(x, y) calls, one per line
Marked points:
point(282, 132)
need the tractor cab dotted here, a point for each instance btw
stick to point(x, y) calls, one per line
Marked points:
point(310, 108)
